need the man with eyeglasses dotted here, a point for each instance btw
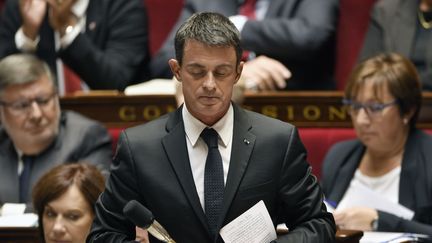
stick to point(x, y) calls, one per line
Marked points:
point(34, 134)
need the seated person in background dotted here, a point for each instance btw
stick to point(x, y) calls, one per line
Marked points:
point(194, 189)
point(34, 134)
point(390, 157)
point(64, 200)
point(404, 27)
point(105, 42)
point(290, 42)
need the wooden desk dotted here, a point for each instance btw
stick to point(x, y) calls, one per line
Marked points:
point(303, 109)
point(19, 235)
point(31, 235)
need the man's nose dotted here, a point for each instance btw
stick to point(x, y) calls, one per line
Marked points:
point(210, 81)
point(35, 110)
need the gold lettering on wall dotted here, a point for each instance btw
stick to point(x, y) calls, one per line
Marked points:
point(339, 113)
point(290, 113)
point(270, 110)
point(127, 113)
point(151, 112)
point(311, 112)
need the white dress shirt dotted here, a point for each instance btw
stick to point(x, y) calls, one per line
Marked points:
point(197, 148)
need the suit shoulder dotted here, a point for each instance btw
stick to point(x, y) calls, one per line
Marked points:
point(151, 129)
point(343, 146)
point(76, 120)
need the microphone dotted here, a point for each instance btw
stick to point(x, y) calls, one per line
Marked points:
point(143, 218)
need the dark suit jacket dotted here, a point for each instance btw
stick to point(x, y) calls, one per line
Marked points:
point(393, 28)
point(298, 33)
point(112, 52)
point(79, 138)
point(152, 166)
point(415, 189)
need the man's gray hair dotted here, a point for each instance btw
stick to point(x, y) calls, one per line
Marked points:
point(212, 29)
point(21, 69)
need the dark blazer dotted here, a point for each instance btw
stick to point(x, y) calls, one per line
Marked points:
point(415, 189)
point(152, 166)
point(79, 138)
point(110, 54)
point(392, 28)
point(298, 33)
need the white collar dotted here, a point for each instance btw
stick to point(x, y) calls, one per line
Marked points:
point(193, 127)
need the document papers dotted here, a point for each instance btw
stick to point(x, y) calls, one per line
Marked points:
point(12, 215)
point(391, 237)
point(360, 195)
point(253, 226)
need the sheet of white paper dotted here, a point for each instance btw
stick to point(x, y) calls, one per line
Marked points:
point(360, 195)
point(155, 86)
point(23, 220)
point(12, 209)
point(374, 237)
point(253, 226)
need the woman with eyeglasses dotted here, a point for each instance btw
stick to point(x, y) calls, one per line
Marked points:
point(391, 160)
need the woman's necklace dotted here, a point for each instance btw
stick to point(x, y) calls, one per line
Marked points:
point(423, 22)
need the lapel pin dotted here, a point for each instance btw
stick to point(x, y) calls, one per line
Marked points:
point(92, 26)
point(246, 141)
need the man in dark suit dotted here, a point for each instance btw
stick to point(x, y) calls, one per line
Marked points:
point(34, 134)
point(105, 42)
point(164, 164)
point(293, 41)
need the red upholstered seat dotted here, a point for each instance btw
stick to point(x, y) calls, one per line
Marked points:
point(319, 140)
point(354, 18)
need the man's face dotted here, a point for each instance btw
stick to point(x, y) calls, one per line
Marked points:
point(208, 74)
point(31, 114)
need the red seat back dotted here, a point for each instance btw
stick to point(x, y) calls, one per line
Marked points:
point(319, 140)
point(162, 15)
point(353, 23)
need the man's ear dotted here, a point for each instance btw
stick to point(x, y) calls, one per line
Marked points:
point(175, 68)
point(239, 71)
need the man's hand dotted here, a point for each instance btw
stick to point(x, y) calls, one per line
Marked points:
point(357, 218)
point(141, 235)
point(60, 14)
point(264, 73)
point(32, 14)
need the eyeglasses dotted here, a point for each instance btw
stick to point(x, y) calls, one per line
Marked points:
point(373, 110)
point(24, 106)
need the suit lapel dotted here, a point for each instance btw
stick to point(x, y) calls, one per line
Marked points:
point(346, 172)
point(176, 150)
point(409, 171)
point(242, 146)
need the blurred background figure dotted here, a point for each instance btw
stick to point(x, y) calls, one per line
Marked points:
point(289, 44)
point(103, 43)
point(390, 157)
point(35, 135)
point(64, 200)
point(404, 27)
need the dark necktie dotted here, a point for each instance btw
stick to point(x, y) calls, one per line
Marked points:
point(213, 180)
point(24, 178)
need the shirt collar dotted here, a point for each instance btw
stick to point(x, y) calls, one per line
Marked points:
point(224, 127)
point(80, 7)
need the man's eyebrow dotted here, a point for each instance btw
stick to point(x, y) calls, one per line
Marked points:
point(195, 65)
